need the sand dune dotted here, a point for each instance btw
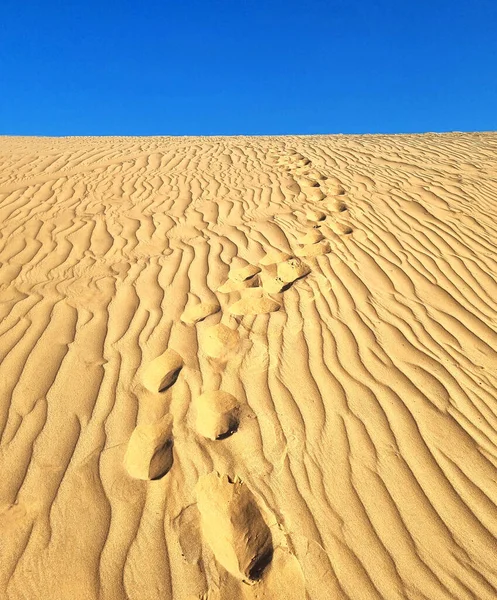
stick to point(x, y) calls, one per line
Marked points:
point(248, 368)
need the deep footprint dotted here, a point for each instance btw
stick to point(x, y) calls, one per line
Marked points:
point(233, 526)
point(291, 270)
point(216, 414)
point(149, 454)
point(162, 372)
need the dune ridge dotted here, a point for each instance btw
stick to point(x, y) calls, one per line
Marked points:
point(303, 326)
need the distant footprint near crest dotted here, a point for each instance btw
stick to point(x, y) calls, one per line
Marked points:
point(162, 372)
point(272, 284)
point(315, 215)
point(149, 454)
point(312, 237)
point(307, 182)
point(333, 187)
point(237, 286)
point(341, 228)
point(233, 526)
point(315, 174)
point(216, 414)
point(310, 250)
point(292, 269)
point(336, 205)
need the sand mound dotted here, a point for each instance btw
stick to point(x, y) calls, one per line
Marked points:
point(333, 187)
point(341, 228)
point(335, 205)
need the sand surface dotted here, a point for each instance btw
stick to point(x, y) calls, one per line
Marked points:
point(248, 368)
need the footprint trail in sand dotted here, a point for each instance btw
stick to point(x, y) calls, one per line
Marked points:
point(248, 368)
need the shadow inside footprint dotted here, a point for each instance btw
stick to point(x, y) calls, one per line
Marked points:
point(166, 466)
point(260, 564)
point(170, 381)
point(233, 429)
point(149, 453)
point(233, 526)
point(217, 414)
point(161, 373)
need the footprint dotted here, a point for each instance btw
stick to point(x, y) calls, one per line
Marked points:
point(219, 341)
point(295, 159)
point(237, 286)
point(310, 250)
point(149, 454)
point(233, 526)
point(273, 257)
point(312, 237)
point(315, 174)
point(292, 269)
point(13, 516)
point(341, 228)
point(315, 216)
point(240, 275)
point(199, 312)
point(290, 184)
point(216, 414)
point(301, 161)
point(336, 205)
point(307, 182)
point(314, 194)
point(272, 284)
point(254, 306)
point(162, 372)
point(333, 187)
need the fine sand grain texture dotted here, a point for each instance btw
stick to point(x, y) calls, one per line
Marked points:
point(248, 368)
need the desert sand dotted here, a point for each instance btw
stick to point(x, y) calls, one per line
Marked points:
point(248, 368)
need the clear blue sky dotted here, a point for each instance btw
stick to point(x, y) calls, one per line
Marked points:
point(206, 67)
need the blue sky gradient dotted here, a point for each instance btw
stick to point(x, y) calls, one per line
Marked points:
point(211, 67)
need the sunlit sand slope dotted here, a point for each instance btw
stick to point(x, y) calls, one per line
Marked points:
point(248, 368)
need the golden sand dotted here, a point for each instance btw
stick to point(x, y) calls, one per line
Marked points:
point(248, 368)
